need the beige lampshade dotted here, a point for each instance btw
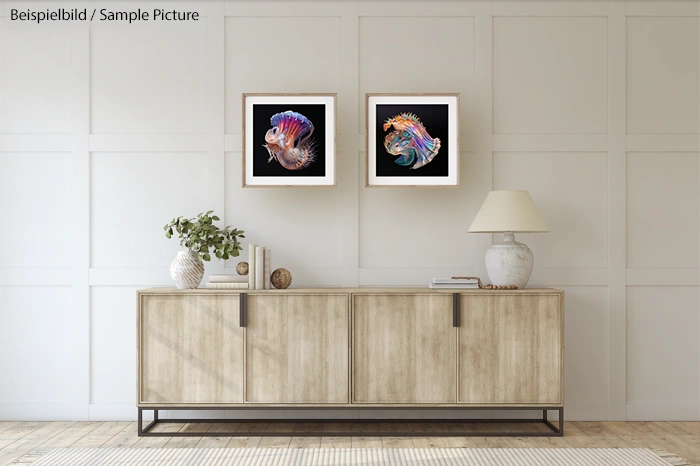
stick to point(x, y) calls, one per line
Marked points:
point(509, 211)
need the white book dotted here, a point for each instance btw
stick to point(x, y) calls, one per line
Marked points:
point(453, 286)
point(228, 278)
point(259, 268)
point(455, 280)
point(267, 269)
point(251, 266)
point(227, 286)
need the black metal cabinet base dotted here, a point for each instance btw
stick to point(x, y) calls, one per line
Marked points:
point(554, 431)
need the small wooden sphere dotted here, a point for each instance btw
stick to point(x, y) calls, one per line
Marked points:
point(281, 279)
point(242, 268)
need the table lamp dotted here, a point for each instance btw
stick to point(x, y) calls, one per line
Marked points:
point(509, 212)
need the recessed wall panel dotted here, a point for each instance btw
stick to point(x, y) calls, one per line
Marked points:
point(550, 75)
point(586, 337)
point(133, 195)
point(570, 190)
point(112, 344)
point(279, 55)
point(35, 80)
point(302, 226)
point(37, 208)
point(148, 80)
point(426, 54)
point(663, 349)
point(37, 326)
point(663, 71)
point(663, 201)
point(419, 227)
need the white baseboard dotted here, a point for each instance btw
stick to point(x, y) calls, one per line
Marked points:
point(577, 411)
point(38, 412)
point(663, 411)
point(115, 412)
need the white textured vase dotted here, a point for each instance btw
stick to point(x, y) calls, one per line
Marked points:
point(187, 270)
point(509, 262)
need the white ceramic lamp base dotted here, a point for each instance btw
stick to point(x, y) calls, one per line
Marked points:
point(509, 262)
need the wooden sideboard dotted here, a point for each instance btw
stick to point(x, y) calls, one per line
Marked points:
point(350, 348)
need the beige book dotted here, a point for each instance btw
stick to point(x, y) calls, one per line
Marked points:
point(259, 267)
point(268, 271)
point(227, 286)
point(251, 266)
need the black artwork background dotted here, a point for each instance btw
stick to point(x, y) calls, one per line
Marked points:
point(435, 118)
point(261, 124)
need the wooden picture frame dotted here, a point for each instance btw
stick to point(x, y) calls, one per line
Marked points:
point(424, 143)
point(270, 161)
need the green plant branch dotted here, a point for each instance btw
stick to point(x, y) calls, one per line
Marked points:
point(202, 237)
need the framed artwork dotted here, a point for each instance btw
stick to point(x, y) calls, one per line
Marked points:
point(412, 140)
point(289, 140)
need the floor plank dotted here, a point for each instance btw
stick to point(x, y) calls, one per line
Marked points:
point(277, 442)
point(366, 442)
point(247, 442)
point(336, 442)
point(101, 435)
point(18, 431)
point(158, 442)
point(7, 425)
point(124, 439)
point(20, 438)
point(397, 442)
point(305, 442)
point(658, 437)
point(219, 427)
point(32, 440)
point(428, 442)
point(218, 442)
point(243, 442)
point(72, 434)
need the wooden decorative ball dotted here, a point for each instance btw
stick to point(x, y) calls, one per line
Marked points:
point(281, 279)
point(242, 268)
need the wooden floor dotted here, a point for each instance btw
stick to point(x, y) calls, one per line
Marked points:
point(19, 438)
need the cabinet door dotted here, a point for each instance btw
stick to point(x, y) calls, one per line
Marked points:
point(297, 348)
point(403, 349)
point(510, 349)
point(191, 349)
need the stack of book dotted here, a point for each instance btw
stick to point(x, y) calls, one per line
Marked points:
point(228, 282)
point(454, 283)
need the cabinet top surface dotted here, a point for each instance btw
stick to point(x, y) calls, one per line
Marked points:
point(366, 290)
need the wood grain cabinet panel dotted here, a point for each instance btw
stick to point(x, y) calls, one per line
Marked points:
point(511, 349)
point(297, 348)
point(345, 347)
point(191, 349)
point(404, 349)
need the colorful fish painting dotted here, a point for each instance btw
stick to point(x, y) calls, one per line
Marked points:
point(289, 141)
point(410, 140)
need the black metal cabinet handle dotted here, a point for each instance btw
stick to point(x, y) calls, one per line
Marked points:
point(456, 314)
point(243, 309)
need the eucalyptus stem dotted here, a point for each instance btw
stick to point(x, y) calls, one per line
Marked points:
point(202, 237)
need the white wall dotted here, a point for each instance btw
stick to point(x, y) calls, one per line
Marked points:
point(593, 106)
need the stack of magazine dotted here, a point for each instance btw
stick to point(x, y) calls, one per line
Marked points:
point(228, 282)
point(454, 283)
